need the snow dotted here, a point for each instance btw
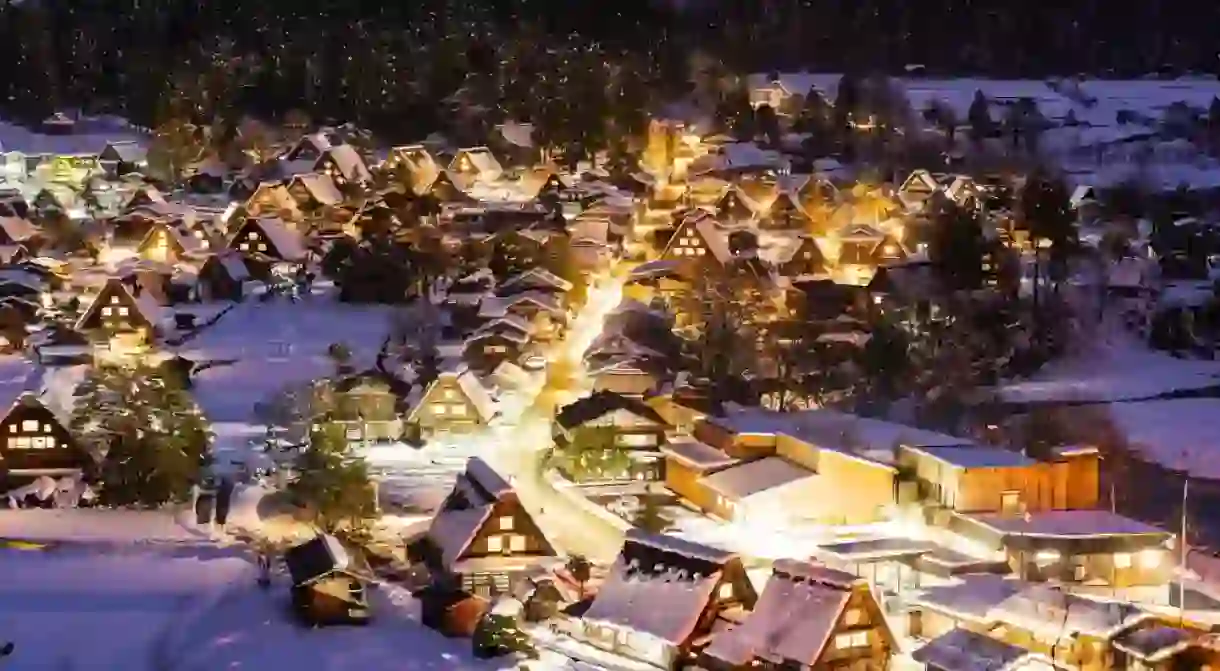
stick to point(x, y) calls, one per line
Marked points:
point(739, 482)
point(96, 525)
point(279, 343)
point(1177, 434)
point(99, 131)
point(253, 629)
point(1117, 368)
point(1068, 524)
point(977, 456)
point(793, 619)
point(68, 607)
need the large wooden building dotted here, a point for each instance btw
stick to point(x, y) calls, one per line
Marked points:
point(483, 537)
point(37, 443)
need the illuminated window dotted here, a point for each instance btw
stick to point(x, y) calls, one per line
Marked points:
point(1122, 560)
point(439, 408)
point(245, 247)
point(29, 425)
point(506, 523)
point(114, 300)
point(516, 543)
point(449, 394)
point(853, 618)
point(262, 247)
point(106, 311)
point(122, 311)
point(252, 236)
point(495, 543)
point(853, 639)
point(726, 591)
point(701, 252)
point(46, 428)
point(457, 410)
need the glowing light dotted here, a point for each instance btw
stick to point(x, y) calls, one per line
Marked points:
point(1150, 558)
point(1045, 557)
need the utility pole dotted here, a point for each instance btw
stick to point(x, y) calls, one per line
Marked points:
point(1182, 551)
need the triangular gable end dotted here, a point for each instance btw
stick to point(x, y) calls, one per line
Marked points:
point(919, 182)
point(732, 206)
point(686, 237)
point(114, 295)
point(522, 524)
point(888, 251)
point(447, 389)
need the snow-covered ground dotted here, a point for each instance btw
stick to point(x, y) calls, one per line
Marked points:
point(91, 139)
point(278, 344)
point(1117, 368)
point(1179, 434)
point(254, 629)
point(112, 610)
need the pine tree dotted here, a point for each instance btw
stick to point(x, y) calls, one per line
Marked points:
point(332, 485)
point(154, 440)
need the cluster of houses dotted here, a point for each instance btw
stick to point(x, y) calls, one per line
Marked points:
point(1045, 593)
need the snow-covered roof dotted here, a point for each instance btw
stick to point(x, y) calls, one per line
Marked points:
point(1067, 524)
point(755, 477)
point(697, 455)
point(126, 151)
point(1177, 434)
point(517, 134)
point(289, 243)
point(320, 187)
point(659, 586)
point(481, 162)
point(793, 620)
point(533, 278)
point(973, 456)
point(965, 650)
point(17, 229)
point(347, 161)
point(1050, 613)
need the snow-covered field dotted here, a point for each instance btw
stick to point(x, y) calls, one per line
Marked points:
point(111, 610)
point(1117, 369)
point(91, 138)
point(254, 629)
point(277, 344)
point(1179, 434)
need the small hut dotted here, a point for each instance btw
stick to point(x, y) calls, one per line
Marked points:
point(327, 587)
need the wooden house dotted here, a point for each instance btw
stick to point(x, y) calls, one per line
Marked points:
point(270, 238)
point(455, 401)
point(115, 311)
point(984, 479)
point(327, 585)
point(888, 251)
point(499, 340)
point(448, 187)
point(785, 214)
point(534, 279)
point(344, 165)
point(476, 163)
point(314, 191)
point(808, 617)
point(367, 405)
point(414, 165)
point(543, 312)
point(807, 259)
point(687, 462)
point(612, 423)
point(167, 242)
point(1069, 630)
point(917, 188)
point(966, 650)
point(37, 443)
point(222, 277)
point(698, 241)
point(703, 589)
point(207, 177)
point(309, 148)
point(126, 157)
point(272, 200)
point(731, 207)
point(482, 537)
point(1088, 547)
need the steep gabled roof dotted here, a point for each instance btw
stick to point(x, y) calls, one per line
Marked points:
point(288, 244)
point(794, 619)
point(602, 403)
point(145, 307)
point(652, 570)
point(320, 187)
point(348, 161)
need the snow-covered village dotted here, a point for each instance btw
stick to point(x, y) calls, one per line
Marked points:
point(781, 370)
